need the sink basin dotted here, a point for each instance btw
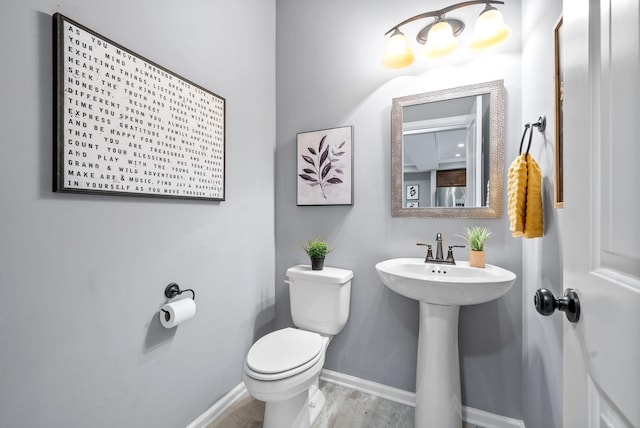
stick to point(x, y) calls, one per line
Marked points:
point(441, 290)
point(445, 284)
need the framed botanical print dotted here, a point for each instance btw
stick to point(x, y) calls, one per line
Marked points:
point(413, 192)
point(325, 167)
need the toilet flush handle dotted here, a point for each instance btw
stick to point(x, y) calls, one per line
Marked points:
point(288, 282)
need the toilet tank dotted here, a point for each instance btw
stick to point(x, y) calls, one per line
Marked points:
point(319, 299)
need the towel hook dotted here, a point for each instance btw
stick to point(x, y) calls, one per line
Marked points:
point(541, 124)
point(527, 127)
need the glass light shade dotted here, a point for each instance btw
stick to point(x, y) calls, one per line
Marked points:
point(440, 40)
point(490, 30)
point(397, 53)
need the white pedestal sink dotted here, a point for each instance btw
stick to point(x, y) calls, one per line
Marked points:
point(441, 290)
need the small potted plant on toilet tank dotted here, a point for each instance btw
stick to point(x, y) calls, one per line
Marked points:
point(317, 249)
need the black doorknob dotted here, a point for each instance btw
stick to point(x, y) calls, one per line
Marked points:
point(546, 303)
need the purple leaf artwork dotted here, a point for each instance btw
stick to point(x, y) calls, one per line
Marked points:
point(324, 167)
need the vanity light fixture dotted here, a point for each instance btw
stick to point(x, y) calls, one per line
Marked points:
point(439, 37)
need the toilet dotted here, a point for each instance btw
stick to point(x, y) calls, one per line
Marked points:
point(282, 368)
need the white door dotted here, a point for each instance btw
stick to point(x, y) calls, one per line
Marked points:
point(602, 212)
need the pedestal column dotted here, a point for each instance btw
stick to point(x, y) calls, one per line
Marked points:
point(438, 402)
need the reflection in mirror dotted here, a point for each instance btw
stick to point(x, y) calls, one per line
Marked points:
point(447, 152)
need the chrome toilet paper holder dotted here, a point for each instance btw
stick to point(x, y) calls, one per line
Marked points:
point(172, 290)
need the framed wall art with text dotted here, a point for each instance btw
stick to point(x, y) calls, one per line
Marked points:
point(124, 125)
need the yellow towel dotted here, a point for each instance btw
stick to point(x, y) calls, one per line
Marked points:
point(517, 192)
point(534, 223)
point(525, 198)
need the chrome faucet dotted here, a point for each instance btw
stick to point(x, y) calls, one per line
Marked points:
point(439, 254)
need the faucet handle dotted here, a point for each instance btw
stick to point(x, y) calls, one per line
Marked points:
point(450, 253)
point(429, 252)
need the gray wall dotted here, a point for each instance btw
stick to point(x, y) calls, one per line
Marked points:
point(329, 74)
point(83, 276)
point(541, 258)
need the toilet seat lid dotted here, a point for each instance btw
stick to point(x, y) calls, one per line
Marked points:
point(283, 350)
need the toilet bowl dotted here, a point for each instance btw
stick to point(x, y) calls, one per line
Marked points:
point(282, 368)
point(290, 390)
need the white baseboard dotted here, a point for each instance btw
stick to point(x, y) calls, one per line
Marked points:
point(219, 407)
point(372, 388)
point(489, 420)
point(469, 415)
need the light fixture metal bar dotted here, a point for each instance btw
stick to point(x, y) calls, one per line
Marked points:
point(441, 12)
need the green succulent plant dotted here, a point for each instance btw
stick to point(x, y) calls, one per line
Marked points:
point(317, 248)
point(476, 236)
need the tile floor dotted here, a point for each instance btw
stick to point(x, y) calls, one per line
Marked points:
point(345, 408)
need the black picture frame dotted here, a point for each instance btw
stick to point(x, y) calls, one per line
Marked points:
point(126, 126)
